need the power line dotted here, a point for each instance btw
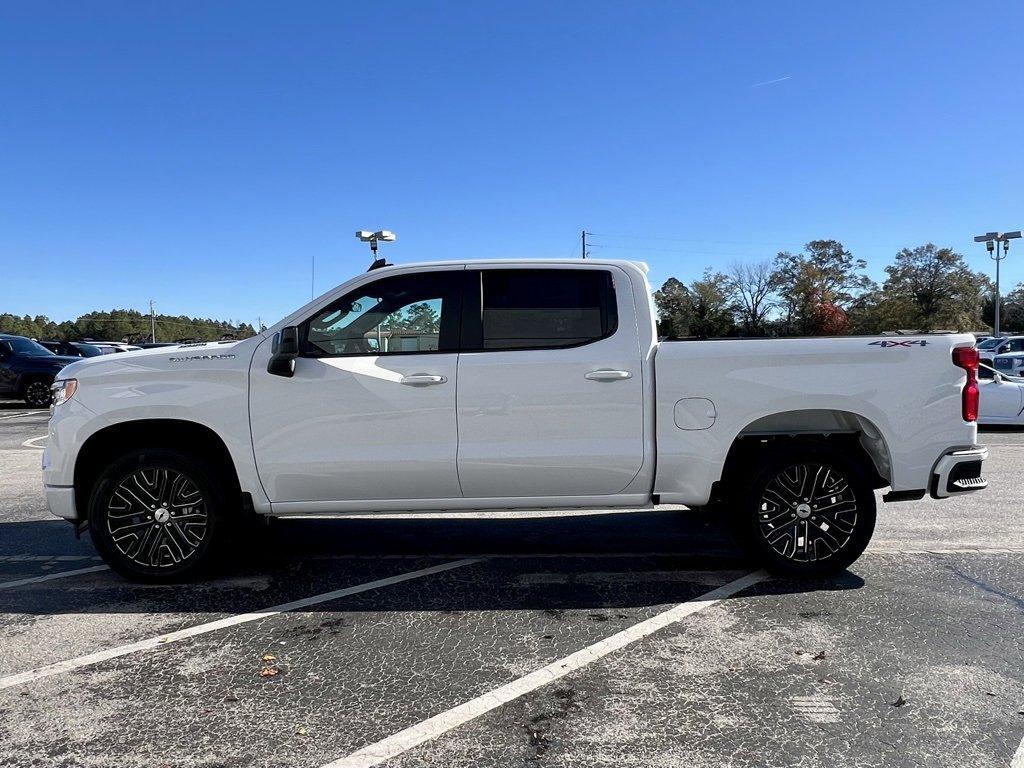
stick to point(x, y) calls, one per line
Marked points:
point(697, 240)
point(646, 249)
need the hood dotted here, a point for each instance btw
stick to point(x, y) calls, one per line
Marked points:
point(61, 360)
point(186, 359)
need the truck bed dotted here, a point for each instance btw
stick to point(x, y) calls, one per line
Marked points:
point(901, 394)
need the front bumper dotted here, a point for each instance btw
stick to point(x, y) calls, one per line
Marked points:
point(959, 472)
point(61, 501)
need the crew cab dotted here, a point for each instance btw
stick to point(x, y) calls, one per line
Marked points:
point(27, 369)
point(506, 384)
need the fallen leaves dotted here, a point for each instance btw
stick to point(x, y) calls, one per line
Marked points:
point(900, 702)
point(270, 668)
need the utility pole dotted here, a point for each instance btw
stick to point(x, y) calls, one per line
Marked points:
point(152, 322)
point(583, 242)
point(993, 241)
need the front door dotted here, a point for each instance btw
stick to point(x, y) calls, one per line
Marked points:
point(550, 398)
point(370, 411)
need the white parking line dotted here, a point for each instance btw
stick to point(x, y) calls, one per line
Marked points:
point(403, 741)
point(51, 577)
point(31, 442)
point(1018, 758)
point(212, 626)
point(23, 413)
point(45, 558)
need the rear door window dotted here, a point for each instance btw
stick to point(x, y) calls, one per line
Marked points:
point(539, 309)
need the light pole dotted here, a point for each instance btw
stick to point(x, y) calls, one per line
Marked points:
point(993, 241)
point(382, 236)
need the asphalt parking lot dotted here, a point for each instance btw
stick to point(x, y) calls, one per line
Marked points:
point(590, 639)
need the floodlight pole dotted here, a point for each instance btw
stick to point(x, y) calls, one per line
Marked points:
point(997, 258)
point(998, 245)
point(383, 236)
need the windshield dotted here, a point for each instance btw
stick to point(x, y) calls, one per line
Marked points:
point(88, 350)
point(23, 346)
point(990, 343)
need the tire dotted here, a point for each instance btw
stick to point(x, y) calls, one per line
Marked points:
point(37, 393)
point(808, 511)
point(158, 516)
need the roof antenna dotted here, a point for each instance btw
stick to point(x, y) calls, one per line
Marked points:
point(383, 236)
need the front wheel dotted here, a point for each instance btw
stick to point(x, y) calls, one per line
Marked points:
point(37, 393)
point(157, 516)
point(807, 511)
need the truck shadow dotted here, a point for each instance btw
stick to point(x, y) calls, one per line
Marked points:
point(612, 561)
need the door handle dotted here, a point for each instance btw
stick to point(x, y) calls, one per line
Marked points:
point(605, 375)
point(423, 380)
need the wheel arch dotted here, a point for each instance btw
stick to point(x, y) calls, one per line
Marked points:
point(177, 434)
point(860, 438)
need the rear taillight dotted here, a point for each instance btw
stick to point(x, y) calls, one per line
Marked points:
point(967, 358)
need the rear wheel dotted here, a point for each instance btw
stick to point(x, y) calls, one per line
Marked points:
point(37, 393)
point(807, 511)
point(157, 516)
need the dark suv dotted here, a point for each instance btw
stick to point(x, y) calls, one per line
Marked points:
point(72, 348)
point(27, 369)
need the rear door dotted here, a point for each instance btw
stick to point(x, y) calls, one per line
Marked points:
point(550, 398)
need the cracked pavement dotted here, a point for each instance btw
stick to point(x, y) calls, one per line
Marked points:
point(914, 657)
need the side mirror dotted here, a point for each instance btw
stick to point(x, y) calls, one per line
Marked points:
point(284, 350)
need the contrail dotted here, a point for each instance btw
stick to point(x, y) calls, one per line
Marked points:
point(772, 82)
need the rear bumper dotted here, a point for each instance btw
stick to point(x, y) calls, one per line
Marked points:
point(958, 472)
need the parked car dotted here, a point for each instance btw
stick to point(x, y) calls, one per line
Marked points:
point(113, 347)
point(516, 384)
point(1001, 396)
point(1008, 364)
point(997, 345)
point(72, 348)
point(27, 369)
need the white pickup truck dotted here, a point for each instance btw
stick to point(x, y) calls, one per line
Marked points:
point(506, 384)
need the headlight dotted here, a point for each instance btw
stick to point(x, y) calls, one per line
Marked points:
point(64, 390)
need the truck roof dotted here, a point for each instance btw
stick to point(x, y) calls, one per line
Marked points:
point(642, 265)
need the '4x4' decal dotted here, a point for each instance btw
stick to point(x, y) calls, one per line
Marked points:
point(899, 343)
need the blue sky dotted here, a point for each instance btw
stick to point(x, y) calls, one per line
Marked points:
point(202, 153)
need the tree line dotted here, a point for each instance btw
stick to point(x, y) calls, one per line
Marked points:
point(823, 290)
point(124, 325)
